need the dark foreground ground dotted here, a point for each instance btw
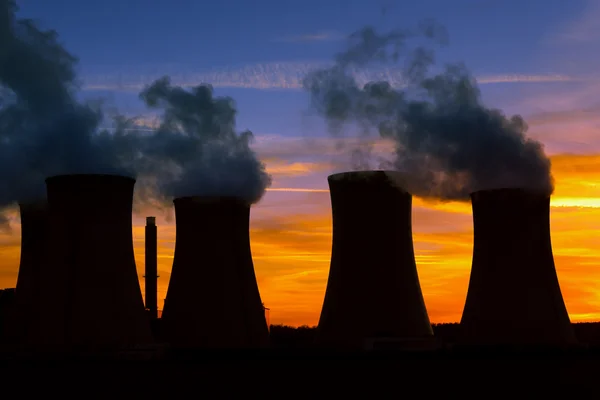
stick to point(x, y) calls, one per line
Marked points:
point(292, 368)
point(473, 373)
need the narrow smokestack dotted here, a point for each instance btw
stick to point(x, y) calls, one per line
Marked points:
point(514, 296)
point(93, 292)
point(34, 225)
point(213, 299)
point(151, 275)
point(373, 288)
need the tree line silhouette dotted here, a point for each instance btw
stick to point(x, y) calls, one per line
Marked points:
point(290, 337)
point(284, 336)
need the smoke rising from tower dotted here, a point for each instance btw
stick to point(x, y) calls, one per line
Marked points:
point(44, 130)
point(373, 288)
point(447, 143)
point(196, 150)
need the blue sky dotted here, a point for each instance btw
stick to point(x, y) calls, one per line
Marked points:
point(531, 57)
point(270, 44)
point(488, 34)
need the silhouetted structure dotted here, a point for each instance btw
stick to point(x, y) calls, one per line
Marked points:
point(373, 288)
point(267, 316)
point(514, 296)
point(7, 317)
point(151, 273)
point(91, 292)
point(34, 225)
point(288, 337)
point(213, 299)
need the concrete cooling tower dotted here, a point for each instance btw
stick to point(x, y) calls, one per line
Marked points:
point(92, 289)
point(514, 297)
point(34, 225)
point(373, 288)
point(213, 299)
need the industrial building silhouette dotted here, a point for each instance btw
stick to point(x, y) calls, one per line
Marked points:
point(78, 287)
point(213, 299)
point(373, 288)
point(34, 227)
point(514, 296)
point(91, 288)
point(151, 268)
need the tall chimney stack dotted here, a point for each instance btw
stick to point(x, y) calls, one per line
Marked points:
point(151, 273)
point(213, 299)
point(373, 288)
point(514, 296)
point(34, 225)
point(91, 289)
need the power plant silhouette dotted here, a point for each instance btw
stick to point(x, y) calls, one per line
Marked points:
point(151, 268)
point(514, 295)
point(95, 300)
point(373, 288)
point(213, 299)
point(78, 287)
point(34, 228)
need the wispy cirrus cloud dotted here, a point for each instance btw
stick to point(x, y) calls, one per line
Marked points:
point(566, 116)
point(518, 78)
point(281, 167)
point(323, 36)
point(275, 75)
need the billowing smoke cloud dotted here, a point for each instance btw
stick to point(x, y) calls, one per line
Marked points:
point(196, 151)
point(446, 141)
point(44, 131)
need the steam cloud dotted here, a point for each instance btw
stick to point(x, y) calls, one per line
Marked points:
point(447, 143)
point(44, 130)
point(196, 151)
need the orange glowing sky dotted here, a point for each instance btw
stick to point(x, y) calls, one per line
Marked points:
point(291, 249)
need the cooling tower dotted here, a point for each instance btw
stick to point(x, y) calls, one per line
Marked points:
point(34, 225)
point(514, 297)
point(92, 291)
point(373, 288)
point(213, 299)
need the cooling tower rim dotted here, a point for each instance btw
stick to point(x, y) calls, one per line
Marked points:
point(363, 174)
point(509, 191)
point(33, 204)
point(211, 200)
point(89, 177)
point(394, 177)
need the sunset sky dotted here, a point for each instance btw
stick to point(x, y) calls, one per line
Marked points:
point(537, 58)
